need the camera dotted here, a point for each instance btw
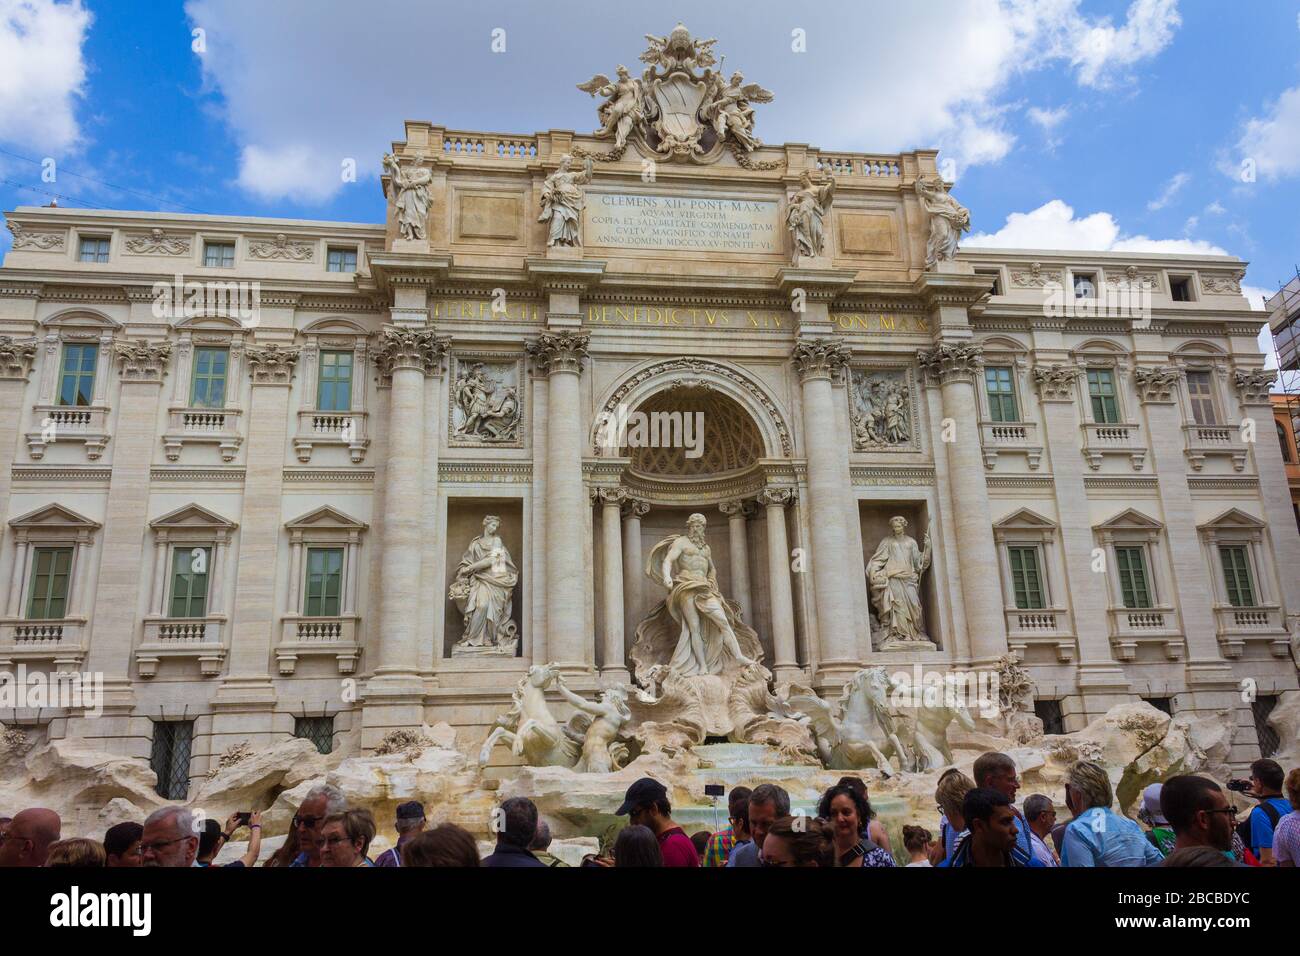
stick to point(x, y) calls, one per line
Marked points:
point(1239, 786)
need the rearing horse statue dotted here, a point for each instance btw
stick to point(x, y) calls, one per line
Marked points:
point(857, 731)
point(528, 726)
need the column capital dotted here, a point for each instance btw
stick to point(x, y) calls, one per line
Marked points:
point(778, 497)
point(950, 361)
point(561, 351)
point(16, 356)
point(420, 349)
point(816, 358)
point(1156, 385)
point(736, 507)
point(635, 508)
point(271, 364)
point(1253, 384)
point(1055, 382)
point(609, 496)
point(143, 361)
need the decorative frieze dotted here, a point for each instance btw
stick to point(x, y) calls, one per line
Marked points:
point(16, 356)
point(1055, 383)
point(1253, 386)
point(1034, 277)
point(1156, 385)
point(157, 243)
point(891, 476)
point(559, 351)
point(486, 402)
point(143, 361)
point(1133, 280)
point(950, 361)
point(271, 364)
point(1229, 284)
point(820, 358)
point(36, 241)
point(420, 349)
point(281, 247)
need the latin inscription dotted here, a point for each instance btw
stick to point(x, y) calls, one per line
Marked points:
point(637, 221)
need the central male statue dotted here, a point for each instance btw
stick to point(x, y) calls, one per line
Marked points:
point(707, 640)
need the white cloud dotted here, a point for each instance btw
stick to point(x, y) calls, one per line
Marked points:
point(1171, 189)
point(1104, 50)
point(42, 72)
point(1215, 208)
point(1271, 141)
point(293, 171)
point(1053, 226)
point(1048, 119)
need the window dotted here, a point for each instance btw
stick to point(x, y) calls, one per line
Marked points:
point(1134, 585)
point(1101, 389)
point(1236, 575)
point(324, 582)
point(93, 249)
point(1199, 389)
point(995, 276)
point(1002, 396)
point(1049, 712)
point(334, 385)
point(319, 730)
point(219, 255)
point(77, 383)
point(48, 595)
point(1180, 288)
point(190, 581)
point(170, 758)
point(1261, 707)
point(1164, 704)
point(341, 260)
point(208, 389)
point(1085, 285)
point(1285, 441)
point(1026, 579)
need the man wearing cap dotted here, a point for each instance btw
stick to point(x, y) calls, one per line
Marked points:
point(646, 804)
point(1159, 833)
point(409, 823)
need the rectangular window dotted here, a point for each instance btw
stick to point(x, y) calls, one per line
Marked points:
point(1199, 390)
point(77, 381)
point(1134, 586)
point(1101, 389)
point(1049, 712)
point(1085, 285)
point(48, 594)
point(1180, 288)
point(93, 249)
point(1026, 579)
point(1163, 704)
point(1236, 575)
point(1269, 741)
point(219, 255)
point(319, 730)
point(334, 386)
point(341, 260)
point(208, 390)
point(170, 758)
point(324, 582)
point(190, 581)
point(1002, 397)
point(995, 276)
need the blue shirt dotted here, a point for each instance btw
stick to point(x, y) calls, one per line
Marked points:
point(1261, 827)
point(1101, 837)
point(744, 854)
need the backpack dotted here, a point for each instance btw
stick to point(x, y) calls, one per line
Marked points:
point(1270, 811)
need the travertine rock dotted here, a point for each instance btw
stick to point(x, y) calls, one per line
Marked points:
point(1285, 719)
point(253, 782)
point(74, 780)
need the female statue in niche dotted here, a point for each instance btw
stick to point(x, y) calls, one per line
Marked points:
point(485, 581)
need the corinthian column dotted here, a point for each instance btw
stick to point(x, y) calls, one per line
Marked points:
point(16, 357)
point(559, 356)
point(737, 513)
point(614, 668)
point(786, 665)
point(633, 512)
point(953, 367)
point(818, 361)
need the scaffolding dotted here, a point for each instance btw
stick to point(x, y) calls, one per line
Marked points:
point(1284, 321)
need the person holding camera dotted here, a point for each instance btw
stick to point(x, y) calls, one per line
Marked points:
point(1265, 785)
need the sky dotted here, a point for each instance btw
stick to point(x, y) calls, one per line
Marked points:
point(1153, 125)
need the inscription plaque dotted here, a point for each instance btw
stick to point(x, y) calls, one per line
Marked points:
point(644, 221)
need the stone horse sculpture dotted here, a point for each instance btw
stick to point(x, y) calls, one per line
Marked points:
point(857, 731)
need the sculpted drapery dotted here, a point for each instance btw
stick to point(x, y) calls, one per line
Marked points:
point(894, 574)
point(485, 581)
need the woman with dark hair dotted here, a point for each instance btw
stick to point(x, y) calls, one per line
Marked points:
point(444, 845)
point(918, 843)
point(847, 810)
point(288, 851)
point(637, 846)
point(799, 841)
point(874, 830)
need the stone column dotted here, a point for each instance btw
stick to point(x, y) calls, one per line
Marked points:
point(633, 512)
point(117, 601)
point(737, 513)
point(559, 355)
point(785, 667)
point(614, 669)
point(953, 367)
point(818, 361)
point(16, 357)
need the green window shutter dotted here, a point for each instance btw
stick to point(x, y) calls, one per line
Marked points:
point(208, 389)
point(334, 384)
point(1002, 397)
point(1236, 576)
point(77, 381)
point(48, 593)
point(1101, 389)
point(1026, 580)
point(190, 569)
point(1134, 589)
point(324, 582)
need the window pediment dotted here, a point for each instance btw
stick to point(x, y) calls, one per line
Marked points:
point(1024, 520)
point(1233, 519)
point(1129, 520)
point(192, 517)
point(326, 518)
point(54, 517)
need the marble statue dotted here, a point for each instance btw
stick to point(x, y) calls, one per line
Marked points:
point(485, 414)
point(858, 730)
point(408, 190)
point(483, 590)
point(923, 730)
point(948, 220)
point(894, 576)
point(562, 201)
point(805, 217)
point(881, 415)
point(600, 723)
point(706, 621)
point(623, 109)
point(726, 108)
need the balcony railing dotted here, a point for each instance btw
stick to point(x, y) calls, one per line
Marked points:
point(87, 424)
point(210, 426)
point(331, 428)
point(335, 637)
point(1044, 626)
point(1130, 627)
point(58, 640)
point(1020, 437)
point(182, 638)
point(1206, 440)
point(1101, 439)
point(1237, 625)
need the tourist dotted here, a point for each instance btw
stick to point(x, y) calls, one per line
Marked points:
point(444, 846)
point(540, 847)
point(27, 837)
point(637, 845)
point(848, 811)
point(1200, 814)
point(254, 850)
point(1040, 815)
point(170, 838)
point(75, 854)
point(345, 837)
point(288, 851)
point(724, 841)
point(1098, 836)
point(874, 829)
point(801, 841)
point(515, 822)
point(646, 803)
point(1286, 835)
point(998, 772)
point(122, 845)
point(323, 800)
point(1159, 833)
point(409, 823)
point(1266, 778)
point(949, 794)
point(767, 803)
point(701, 840)
point(1198, 856)
point(918, 843)
point(991, 832)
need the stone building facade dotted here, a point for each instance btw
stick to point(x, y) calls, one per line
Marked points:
point(249, 523)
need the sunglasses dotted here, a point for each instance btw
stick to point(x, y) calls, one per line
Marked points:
point(309, 822)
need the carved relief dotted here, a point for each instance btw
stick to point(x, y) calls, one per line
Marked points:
point(1156, 384)
point(1035, 278)
point(1221, 284)
point(950, 361)
point(16, 356)
point(281, 247)
point(881, 410)
point(271, 364)
point(142, 361)
point(1055, 382)
point(1253, 386)
point(36, 241)
point(1132, 279)
point(157, 243)
point(486, 402)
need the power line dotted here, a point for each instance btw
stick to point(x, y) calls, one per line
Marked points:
point(46, 192)
point(101, 182)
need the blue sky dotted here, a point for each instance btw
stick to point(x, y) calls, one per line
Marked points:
point(1071, 123)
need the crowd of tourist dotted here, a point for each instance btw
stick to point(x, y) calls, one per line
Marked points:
point(1186, 821)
